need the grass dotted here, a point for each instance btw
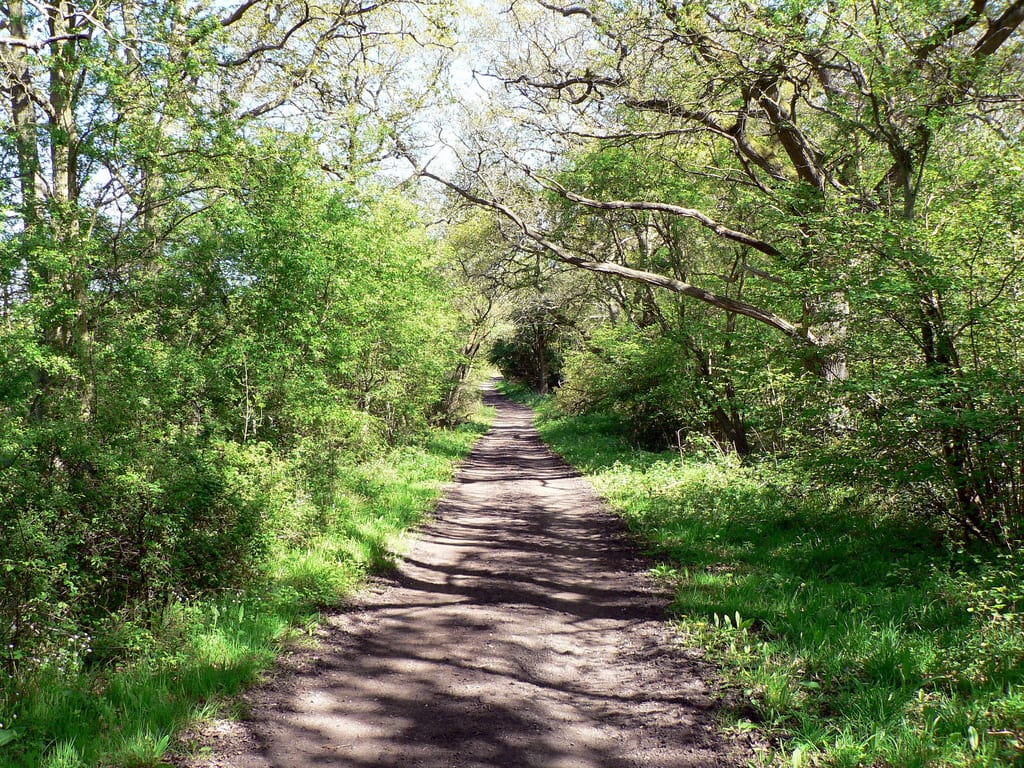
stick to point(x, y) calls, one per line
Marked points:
point(847, 635)
point(183, 664)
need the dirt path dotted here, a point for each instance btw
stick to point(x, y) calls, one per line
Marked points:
point(518, 633)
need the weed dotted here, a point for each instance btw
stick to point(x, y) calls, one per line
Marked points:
point(145, 749)
point(64, 755)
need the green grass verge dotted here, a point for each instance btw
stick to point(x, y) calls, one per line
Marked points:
point(847, 636)
point(186, 662)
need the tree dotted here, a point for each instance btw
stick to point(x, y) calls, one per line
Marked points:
point(812, 123)
point(190, 311)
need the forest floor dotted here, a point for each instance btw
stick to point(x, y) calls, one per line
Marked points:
point(520, 630)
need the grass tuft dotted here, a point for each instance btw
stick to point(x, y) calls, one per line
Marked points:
point(64, 755)
point(144, 749)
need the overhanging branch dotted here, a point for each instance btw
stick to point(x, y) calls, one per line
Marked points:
point(725, 303)
point(675, 210)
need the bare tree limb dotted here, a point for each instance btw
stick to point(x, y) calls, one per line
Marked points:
point(724, 303)
point(999, 31)
point(267, 47)
point(675, 210)
point(38, 45)
point(949, 31)
point(238, 13)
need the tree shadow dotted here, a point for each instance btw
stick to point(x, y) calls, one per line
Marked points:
point(519, 633)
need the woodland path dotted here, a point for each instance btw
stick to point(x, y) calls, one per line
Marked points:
point(519, 632)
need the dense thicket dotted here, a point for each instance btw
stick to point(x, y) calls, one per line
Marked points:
point(197, 328)
point(290, 326)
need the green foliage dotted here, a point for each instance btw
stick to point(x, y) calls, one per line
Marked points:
point(930, 411)
point(175, 664)
point(237, 410)
point(834, 173)
point(531, 353)
point(289, 327)
point(849, 633)
point(521, 393)
point(203, 342)
point(915, 388)
point(643, 377)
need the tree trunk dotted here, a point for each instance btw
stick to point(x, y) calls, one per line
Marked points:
point(76, 336)
point(973, 493)
point(23, 112)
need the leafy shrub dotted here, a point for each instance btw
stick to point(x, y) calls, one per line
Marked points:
point(532, 352)
point(641, 376)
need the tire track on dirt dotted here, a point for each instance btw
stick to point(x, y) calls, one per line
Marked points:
point(518, 632)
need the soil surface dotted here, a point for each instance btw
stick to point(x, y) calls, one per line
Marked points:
point(520, 631)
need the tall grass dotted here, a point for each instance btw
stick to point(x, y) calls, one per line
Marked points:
point(848, 634)
point(181, 664)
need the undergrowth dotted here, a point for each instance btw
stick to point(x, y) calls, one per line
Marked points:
point(848, 634)
point(181, 663)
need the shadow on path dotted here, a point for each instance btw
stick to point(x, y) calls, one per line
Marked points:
point(519, 632)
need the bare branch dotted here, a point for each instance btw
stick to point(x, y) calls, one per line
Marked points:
point(999, 31)
point(38, 45)
point(949, 31)
point(267, 47)
point(745, 151)
point(238, 13)
point(675, 210)
point(724, 303)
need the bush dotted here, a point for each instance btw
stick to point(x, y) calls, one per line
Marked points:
point(646, 379)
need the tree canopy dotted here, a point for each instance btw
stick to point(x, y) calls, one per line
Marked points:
point(844, 175)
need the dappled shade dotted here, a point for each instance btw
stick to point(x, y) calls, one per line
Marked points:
point(518, 632)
